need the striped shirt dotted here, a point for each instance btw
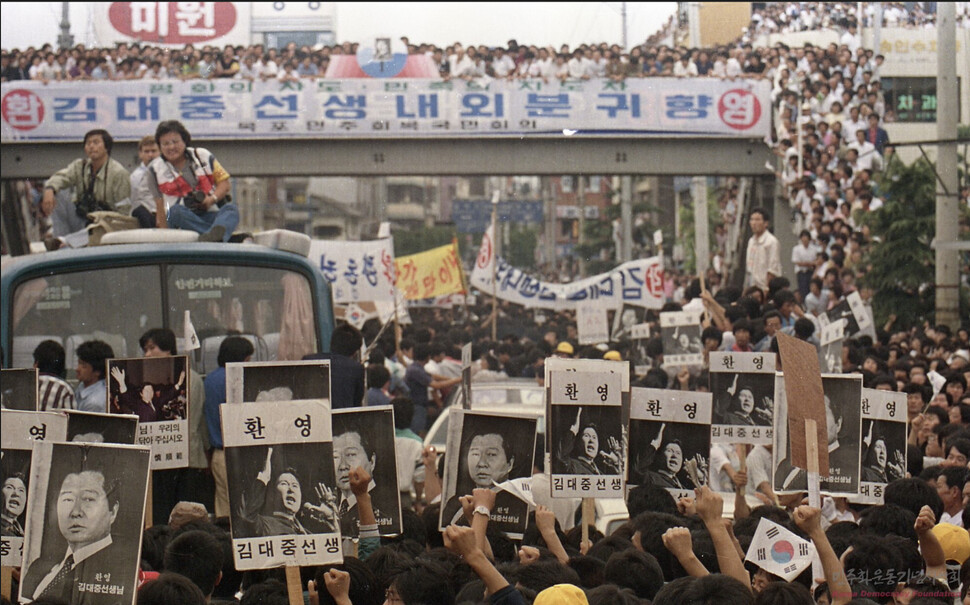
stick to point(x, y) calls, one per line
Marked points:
point(53, 393)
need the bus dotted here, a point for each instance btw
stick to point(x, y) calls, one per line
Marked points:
point(115, 293)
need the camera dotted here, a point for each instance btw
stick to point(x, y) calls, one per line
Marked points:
point(194, 202)
point(86, 204)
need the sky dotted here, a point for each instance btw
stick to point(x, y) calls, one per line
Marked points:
point(489, 23)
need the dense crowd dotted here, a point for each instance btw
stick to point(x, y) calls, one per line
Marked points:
point(910, 550)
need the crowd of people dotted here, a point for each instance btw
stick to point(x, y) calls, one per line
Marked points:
point(829, 109)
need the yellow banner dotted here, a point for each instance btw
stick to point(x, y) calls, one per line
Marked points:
point(432, 273)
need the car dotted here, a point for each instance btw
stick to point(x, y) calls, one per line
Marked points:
point(518, 395)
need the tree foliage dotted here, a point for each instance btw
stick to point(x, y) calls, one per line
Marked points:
point(901, 261)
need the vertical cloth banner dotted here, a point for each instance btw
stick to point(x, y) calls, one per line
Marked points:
point(356, 271)
point(430, 273)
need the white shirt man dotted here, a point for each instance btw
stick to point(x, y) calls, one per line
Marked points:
point(869, 158)
point(502, 64)
point(763, 256)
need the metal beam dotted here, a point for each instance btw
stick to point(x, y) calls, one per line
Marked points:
point(684, 156)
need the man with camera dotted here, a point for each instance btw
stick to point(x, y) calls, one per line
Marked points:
point(190, 186)
point(98, 182)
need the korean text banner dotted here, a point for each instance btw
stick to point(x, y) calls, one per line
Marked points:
point(430, 273)
point(638, 283)
point(356, 271)
point(33, 111)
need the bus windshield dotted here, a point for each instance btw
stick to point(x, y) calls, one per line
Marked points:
point(270, 306)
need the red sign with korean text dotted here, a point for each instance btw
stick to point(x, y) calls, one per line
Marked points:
point(173, 22)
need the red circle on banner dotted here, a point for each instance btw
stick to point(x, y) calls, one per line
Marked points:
point(485, 254)
point(173, 22)
point(653, 281)
point(22, 109)
point(738, 108)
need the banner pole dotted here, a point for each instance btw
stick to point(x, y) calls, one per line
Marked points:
point(149, 510)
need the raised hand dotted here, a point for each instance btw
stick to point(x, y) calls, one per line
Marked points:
point(119, 376)
point(709, 505)
point(267, 473)
point(545, 519)
point(460, 540)
point(359, 481)
point(677, 541)
point(808, 519)
point(338, 584)
point(574, 429)
point(925, 521)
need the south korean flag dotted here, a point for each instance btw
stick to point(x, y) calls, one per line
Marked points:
point(779, 551)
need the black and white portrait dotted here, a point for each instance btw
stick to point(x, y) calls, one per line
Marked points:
point(90, 427)
point(382, 49)
point(844, 311)
point(152, 388)
point(842, 396)
point(883, 451)
point(742, 399)
point(492, 449)
point(587, 440)
point(277, 381)
point(623, 321)
point(282, 489)
point(84, 523)
point(681, 335)
point(18, 389)
point(15, 466)
point(364, 437)
point(660, 452)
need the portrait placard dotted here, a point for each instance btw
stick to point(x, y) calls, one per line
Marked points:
point(884, 452)
point(92, 427)
point(830, 349)
point(585, 434)
point(591, 324)
point(803, 388)
point(681, 334)
point(365, 437)
point(283, 496)
point(494, 450)
point(251, 381)
point(855, 314)
point(18, 389)
point(668, 430)
point(743, 389)
point(842, 395)
point(20, 431)
point(85, 518)
point(155, 389)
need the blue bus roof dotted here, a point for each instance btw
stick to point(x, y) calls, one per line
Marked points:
point(21, 268)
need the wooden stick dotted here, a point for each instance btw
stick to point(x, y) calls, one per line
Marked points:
point(811, 452)
point(589, 517)
point(6, 582)
point(149, 509)
point(743, 462)
point(294, 586)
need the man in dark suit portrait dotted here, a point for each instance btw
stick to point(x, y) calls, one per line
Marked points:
point(843, 456)
point(351, 449)
point(92, 570)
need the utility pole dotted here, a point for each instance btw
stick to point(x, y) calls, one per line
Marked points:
point(581, 202)
point(626, 218)
point(549, 203)
point(65, 39)
point(702, 245)
point(947, 257)
point(623, 17)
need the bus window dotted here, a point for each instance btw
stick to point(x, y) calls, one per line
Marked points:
point(114, 305)
point(271, 307)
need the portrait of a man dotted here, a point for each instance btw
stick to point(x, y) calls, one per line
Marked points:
point(92, 520)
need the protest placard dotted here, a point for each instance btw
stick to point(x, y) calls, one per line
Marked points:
point(283, 494)
point(668, 430)
point(364, 437)
point(356, 271)
point(842, 395)
point(492, 451)
point(20, 431)
point(92, 427)
point(681, 334)
point(251, 381)
point(584, 431)
point(884, 452)
point(830, 349)
point(18, 389)
point(84, 522)
point(591, 326)
point(155, 390)
point(743, 389)
point(854, 312)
